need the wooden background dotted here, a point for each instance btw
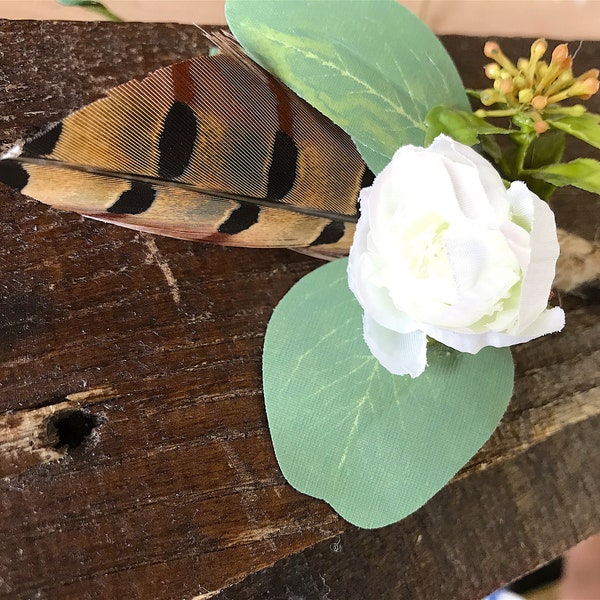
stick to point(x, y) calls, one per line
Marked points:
point(134, 452)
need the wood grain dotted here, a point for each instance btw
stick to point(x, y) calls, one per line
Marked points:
point(155, 344)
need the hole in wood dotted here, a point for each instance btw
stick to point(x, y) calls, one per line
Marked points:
point(70, 428)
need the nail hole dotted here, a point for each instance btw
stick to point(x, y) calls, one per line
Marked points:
point(70, 428)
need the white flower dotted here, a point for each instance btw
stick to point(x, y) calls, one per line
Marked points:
point(443, 249)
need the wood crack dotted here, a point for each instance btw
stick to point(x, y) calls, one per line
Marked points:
point(533, 426)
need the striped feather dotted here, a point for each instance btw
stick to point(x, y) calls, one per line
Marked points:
point(211, 149)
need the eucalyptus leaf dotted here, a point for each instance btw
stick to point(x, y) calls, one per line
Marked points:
point(463, 126)
point(374, 445)
point(371, 66)
point(586, 127)
point(583, 173)
point(92, 6)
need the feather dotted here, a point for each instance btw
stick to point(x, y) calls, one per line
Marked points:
point(211, 149)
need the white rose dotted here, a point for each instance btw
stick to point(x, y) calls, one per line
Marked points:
point(443, 249)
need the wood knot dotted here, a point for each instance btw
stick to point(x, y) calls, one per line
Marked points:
point(41, 435)
point(68, 429)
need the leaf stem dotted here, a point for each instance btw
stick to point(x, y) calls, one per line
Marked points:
point(523, 141)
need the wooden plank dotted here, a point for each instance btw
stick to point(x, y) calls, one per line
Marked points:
point(147, 351)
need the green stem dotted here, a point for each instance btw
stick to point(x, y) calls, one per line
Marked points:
point(523, 141)
point(508, 112)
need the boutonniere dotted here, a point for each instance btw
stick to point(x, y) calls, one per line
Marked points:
point(342, 127)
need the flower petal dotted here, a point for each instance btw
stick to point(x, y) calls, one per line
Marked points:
point(402, 191)
point(517, 239)
point(539, 274)
point(471, 193)
point(491, 181)
point(484, 271)
point(549, 321)
point(521, 203)
point(399, 353)
point(363, 267)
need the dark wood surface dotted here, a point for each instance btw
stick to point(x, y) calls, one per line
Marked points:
point(135, 456)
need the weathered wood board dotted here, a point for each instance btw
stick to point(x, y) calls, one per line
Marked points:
point(144, 353)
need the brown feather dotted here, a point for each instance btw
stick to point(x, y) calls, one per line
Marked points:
point(210, 149)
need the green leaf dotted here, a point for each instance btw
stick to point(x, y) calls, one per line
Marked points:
point(545, 149)
point(583, 173)
point(92, 6)
point(371, 66)
point(586, 127)
point(374, 445)
point(493, 150)
point(463, 126)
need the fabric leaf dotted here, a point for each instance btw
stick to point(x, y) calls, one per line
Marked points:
point(583, 173)
point(92, 6)
point(371, 66)
point(586, 127)
point(463, 126)
point(374, 445)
